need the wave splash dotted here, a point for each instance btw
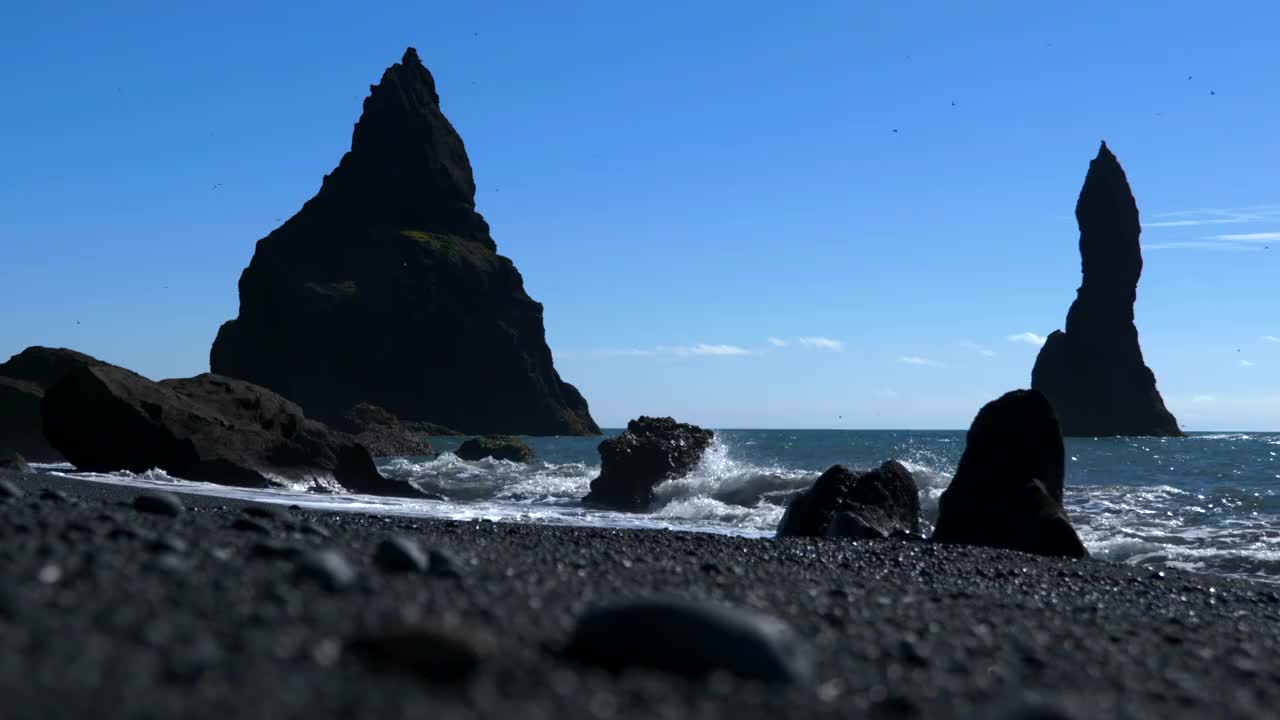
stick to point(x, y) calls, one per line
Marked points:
point(1230, 531)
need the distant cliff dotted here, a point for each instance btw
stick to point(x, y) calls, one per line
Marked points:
point(1093, 373)
point(386, 288)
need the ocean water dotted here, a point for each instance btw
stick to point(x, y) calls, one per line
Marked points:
point(1204, 503)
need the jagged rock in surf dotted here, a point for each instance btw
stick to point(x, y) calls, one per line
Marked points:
point(387, 288)
point(385, 435)
point(207, 428)
point(498, 447)
point(1094, 373)
point(24, 378)
point(879, 503)
point(1007, 489)
point(650, 451)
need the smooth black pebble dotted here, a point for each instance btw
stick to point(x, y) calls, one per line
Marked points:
point(442, 564)
point(399, 554)
point(330, 568)
point(438, 653)
point(690, 639)
point(158, 503)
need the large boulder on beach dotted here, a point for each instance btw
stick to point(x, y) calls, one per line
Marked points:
point(24, 378)
point(1094, 373)
point(650, 451)
point(1007, 489)
point(497, 447)
point(866, 505)
point(207, 428)
point(387, 288)
point(386, 435)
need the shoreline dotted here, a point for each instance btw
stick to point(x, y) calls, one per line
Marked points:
point(108, 611)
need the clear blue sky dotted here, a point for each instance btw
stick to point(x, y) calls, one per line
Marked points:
point(678, 183)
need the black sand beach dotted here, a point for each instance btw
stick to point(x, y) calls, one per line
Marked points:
point(110, 612)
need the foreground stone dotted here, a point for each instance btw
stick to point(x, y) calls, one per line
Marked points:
point(440, 653)
point(690, 639)
point(650, 451)
point(387, 288)
point(1007, 489)
point(1094, 373)
point(498, 447)
point(207, 428)
point(24, 378)
point(878, 503)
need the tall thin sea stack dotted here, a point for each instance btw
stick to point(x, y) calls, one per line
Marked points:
point(1093, 373)
point(386, 288)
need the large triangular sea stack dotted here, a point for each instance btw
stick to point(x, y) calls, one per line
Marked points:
point(386, 288)
point(1094, 373)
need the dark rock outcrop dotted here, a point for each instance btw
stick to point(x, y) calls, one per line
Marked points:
point(206, 428)
point(498, 447)
point(10, 460)
point(650, 451)
point(386, 435)
point(23, 382)
point(1094, 373)
point(880, 502)
point(387, 288)
point(1007, 490)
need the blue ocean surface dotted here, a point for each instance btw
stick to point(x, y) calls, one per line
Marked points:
point(1207, 503)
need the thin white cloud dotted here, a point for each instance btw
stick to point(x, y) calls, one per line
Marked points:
point(623, 352)
point(1029, 338)
point(1214, 216)
point(777, 342)
point(1202, 398)
point(707, 349)
point(980, 349)
point(886, 393)
point(917, 360)
point(1271, 338)
point(1246, 363)
point(1200, 245)
point(1249, 237)
point(821, 343)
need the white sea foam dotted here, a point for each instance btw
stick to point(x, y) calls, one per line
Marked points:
point(1223, 528)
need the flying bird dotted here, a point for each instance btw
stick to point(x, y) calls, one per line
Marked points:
point(1212, 92)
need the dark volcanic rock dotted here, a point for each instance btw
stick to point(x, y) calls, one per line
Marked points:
point(498, 447)
point(386, 288)
point(440, 653)
point(1007, 490)
point(884, 501)
point(650, 451)
point(1094, 373)
point(159, 503)
point(400, 554)
point(13, 461)
point(206, 428)
point(690, 639)
point(386, 435)
point(23, 382)
point(328, 567)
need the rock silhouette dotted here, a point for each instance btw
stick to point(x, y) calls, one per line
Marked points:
point(1093, 373)
point(386, 288)
point(207, 428)
point(650, 451)
point(882, 502)
point(24, 378)
point(1007, 490)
